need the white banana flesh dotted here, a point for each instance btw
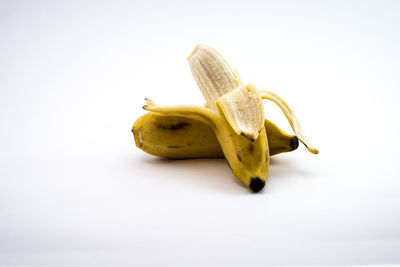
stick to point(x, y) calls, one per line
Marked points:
point(223, 89)
point(213, 73)
point(243, 110)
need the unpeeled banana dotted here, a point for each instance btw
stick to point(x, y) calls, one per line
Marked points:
point(182, 138)
point(234, 112)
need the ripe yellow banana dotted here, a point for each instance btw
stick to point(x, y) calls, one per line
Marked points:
point(182, 138)
point(248, 159)
point(234, 112)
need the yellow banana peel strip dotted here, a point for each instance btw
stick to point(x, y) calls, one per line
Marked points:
point(289, 114)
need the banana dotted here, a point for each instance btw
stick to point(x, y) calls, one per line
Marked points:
point(249, 160)
point(175, 137)
point(234, 112)
point(182, 138)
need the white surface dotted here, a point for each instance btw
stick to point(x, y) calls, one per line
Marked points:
point(75, 190)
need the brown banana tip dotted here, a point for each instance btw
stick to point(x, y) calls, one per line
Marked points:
point(294, 143)
point(256, 184)
point(145, 107)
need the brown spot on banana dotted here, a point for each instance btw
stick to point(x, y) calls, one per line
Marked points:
point(174, 127)
point(174, 146)
point(251, 148)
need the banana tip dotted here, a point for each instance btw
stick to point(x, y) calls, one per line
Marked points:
point(294, 143)
point(138, 137)
point(194, 51)
point(313, 150)
point(256, 184)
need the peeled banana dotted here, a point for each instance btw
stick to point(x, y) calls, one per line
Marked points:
point(234, 114)
point(182, 138)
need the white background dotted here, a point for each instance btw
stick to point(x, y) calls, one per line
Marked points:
point(74, 189)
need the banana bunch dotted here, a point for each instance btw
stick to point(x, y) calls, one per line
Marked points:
point(231, 125)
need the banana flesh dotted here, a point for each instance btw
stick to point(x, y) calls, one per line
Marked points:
point(213, 74)
point(182, 138)
point(223, 89)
